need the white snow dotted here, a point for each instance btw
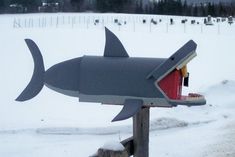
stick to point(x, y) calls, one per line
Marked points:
point(113, 145)
point(52, 124)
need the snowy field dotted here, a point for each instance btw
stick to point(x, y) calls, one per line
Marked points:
point(52, 124)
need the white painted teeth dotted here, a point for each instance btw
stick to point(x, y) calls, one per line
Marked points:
point(194, 96)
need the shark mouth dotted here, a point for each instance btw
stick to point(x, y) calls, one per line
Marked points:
point(172, 85)
point(172, 82)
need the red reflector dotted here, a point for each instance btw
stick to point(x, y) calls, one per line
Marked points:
point(172, 84)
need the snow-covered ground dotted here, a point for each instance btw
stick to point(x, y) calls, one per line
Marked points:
point(52, 124)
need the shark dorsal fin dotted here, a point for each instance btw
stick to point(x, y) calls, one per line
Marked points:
point(113, 46)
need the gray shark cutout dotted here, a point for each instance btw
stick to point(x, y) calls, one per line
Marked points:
point(114, 78)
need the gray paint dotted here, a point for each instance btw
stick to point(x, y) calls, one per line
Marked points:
point(173, 61)
point(131, 107)
point(63, 91)
point(64, 76)
point(141, 133)
point(118, 76)
point(113, 46)
point(110, 79)
point(119, 100)
point(196, 102)
point(36, 83)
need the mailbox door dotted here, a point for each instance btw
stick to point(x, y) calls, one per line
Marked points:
point(172, 84)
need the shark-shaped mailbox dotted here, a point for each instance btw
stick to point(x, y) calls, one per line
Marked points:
point(116, 78)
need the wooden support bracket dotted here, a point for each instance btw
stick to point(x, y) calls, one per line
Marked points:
point(138, 145)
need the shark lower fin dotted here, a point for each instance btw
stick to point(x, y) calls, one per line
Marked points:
point(130, 108)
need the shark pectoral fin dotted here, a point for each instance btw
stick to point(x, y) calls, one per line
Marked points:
point(130, 108)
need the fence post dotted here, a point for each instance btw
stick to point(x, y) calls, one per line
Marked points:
point(134, 26)
point(39, 22)
point(141, 133)
point(30, 23)
point(87, 24)
point(73, 21)
point(103, 23)
point(167, 27)
point(218, 29)
point(57, 22)
point(44, 22)
point(201, 28)
point(51, 21)
point(25, 23)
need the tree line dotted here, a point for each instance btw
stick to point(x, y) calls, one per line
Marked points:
point(161, 7)
point(178, 7)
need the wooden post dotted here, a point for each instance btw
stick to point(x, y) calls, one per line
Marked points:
point(141, 133)
point(138, 145)
point(129, 145)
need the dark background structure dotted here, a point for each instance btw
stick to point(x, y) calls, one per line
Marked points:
point(214, 8)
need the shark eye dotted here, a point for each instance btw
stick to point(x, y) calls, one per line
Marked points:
point(172, 58)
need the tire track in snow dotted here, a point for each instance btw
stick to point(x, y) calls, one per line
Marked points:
point(156, 124)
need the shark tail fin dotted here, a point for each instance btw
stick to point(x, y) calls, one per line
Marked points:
point(37, 81)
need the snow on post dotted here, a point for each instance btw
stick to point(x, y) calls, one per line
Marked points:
point(113, 145)
point(112, 149)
